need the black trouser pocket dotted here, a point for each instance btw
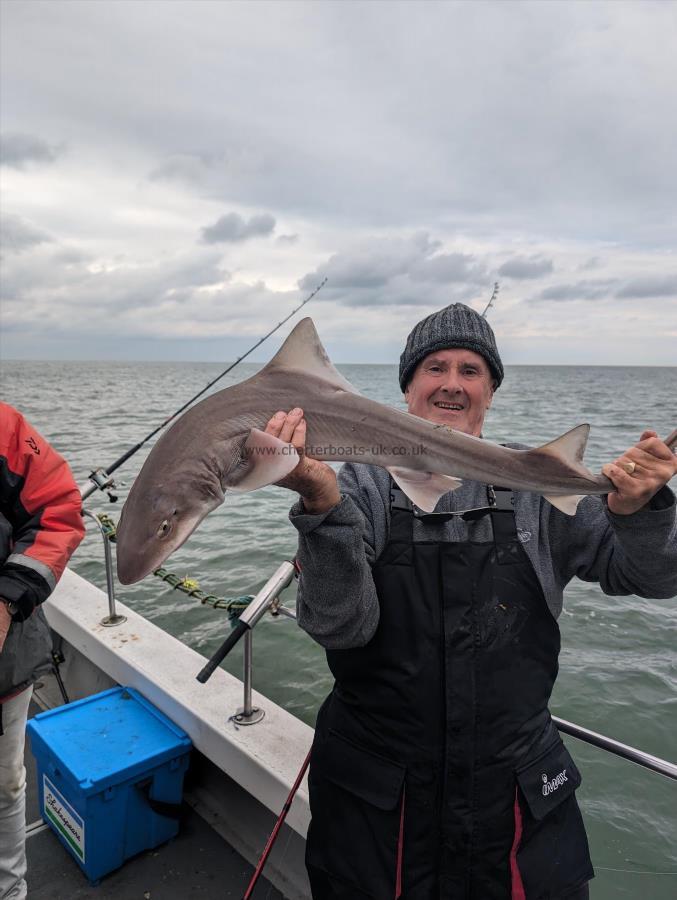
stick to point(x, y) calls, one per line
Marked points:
point(355, 802)
point(553, 855)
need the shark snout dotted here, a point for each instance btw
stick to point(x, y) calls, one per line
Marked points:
point(132, 567)
point(144, 544)
point(135, 561)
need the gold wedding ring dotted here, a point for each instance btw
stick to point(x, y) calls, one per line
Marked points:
point(628, 467)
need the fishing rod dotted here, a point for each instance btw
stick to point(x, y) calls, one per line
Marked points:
point(100, 479)
point(278, 824)
point(494, 295)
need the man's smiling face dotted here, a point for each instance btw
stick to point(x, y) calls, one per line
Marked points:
point(453, 387)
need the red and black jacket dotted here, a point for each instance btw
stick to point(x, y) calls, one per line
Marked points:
point(40, 527)
point(40, 514)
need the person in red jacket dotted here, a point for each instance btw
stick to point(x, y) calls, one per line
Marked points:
point(40, 527)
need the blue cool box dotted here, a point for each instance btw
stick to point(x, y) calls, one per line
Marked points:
point(106, 766)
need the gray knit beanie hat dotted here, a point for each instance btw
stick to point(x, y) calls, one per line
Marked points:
point(456, 325)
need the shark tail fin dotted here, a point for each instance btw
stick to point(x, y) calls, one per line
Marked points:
point(424, 489)
point(303, 352)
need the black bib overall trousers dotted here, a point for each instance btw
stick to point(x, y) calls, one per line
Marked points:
point(436, 771)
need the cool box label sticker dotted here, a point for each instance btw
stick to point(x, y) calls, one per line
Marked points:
point(64, 818)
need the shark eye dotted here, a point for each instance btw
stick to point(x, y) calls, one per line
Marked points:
point(164, 529)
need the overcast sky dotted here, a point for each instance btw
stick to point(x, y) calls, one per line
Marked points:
point(177, 176)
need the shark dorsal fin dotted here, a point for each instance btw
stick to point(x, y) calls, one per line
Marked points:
point(570, 446)
point(303, 352)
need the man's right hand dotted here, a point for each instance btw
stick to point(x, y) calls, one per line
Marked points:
point(5, 622)
point(313, 480)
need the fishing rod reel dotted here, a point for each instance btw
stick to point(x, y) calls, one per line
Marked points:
point(99, 480)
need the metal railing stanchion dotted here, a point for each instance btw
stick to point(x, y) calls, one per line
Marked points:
point(266, 598)
point(112, 618)
point(248, 714)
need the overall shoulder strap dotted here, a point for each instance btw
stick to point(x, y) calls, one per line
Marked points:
point(401, 516)
point(502, 514)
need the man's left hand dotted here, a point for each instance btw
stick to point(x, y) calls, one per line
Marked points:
point(640, 473)
point(5, 622)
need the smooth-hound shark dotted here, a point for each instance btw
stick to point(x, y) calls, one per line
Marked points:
point(219, 446)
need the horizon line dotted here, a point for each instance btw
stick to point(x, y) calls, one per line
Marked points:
point(216, 362)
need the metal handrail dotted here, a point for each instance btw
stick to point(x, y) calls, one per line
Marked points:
point(655, 763)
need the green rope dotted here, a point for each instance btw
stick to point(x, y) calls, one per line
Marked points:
point(110, 528)
point(233, 605)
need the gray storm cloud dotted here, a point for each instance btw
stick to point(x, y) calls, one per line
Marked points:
point(64, 282)
point(398, 272)
point(448, 268)
point(181, 167)
point(526, 267)
point(642, 287)
point(589, 265)
point(649, 286)
point(17, 235)
point(18, 150)
point(232, 228)
point(599, 289)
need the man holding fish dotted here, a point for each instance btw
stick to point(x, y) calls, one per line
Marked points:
point(436, 770)
point(432, 572)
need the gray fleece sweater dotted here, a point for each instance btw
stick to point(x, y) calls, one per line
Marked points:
point(337, 601)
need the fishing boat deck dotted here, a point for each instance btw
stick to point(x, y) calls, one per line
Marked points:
point(197, 863)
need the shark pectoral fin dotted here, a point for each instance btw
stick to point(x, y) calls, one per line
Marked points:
point(566, 504)
point(424, 489)
point(571, 445)
point(304, 352)
point(266, 460)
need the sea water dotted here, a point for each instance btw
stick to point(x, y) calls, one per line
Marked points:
point(618, 667)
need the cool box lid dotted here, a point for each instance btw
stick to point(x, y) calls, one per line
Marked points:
point(106, 738)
